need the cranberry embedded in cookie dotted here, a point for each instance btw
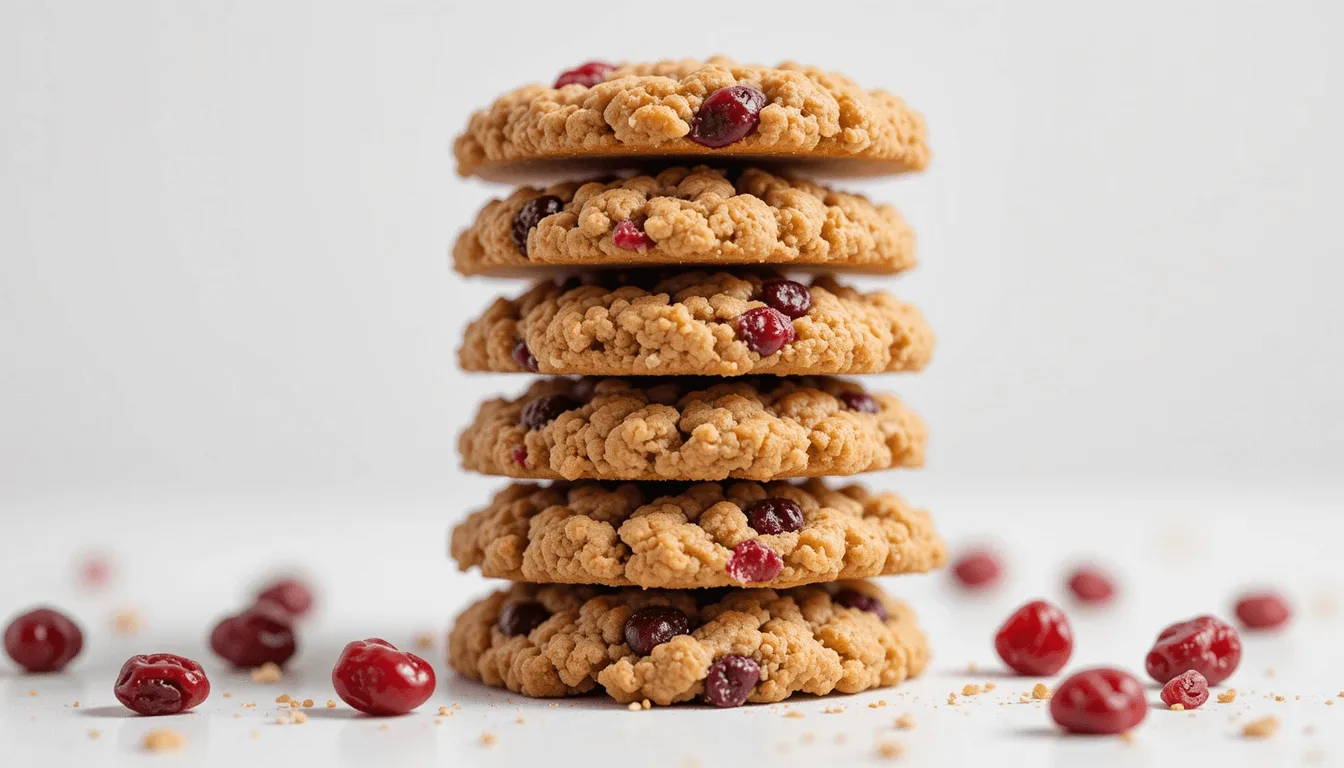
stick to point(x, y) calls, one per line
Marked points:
point(766, 330)
point(775, 515)
point(754, 562)
point(521, 618)
point(587, 74)
point(860, 402)
point(628, 236)
point(652, 626)
point(524, 357)
point(852, 598)
point(788, 296)
point(727, 115)
point(730, 681)
point(530, 215)
point(544, 410)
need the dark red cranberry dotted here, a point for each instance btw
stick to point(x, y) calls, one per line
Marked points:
point(1263, 610)
point(754, 562)
point(262, 633)
point(978, 569)
point(587, 74)
point(787, 296)
point(1207, 645)
point(652, 626)
point(519, 455)
point(377, 679)
point(627, 235)
point(765, 330)
point(1189, 689)
point(1091, 585)
point(521, 618)
point(290, 595)
point(730, 681)
point(43, 640)
point(524, 357)
point(727, 116)
point(775, 515)
point(1099, 701)
point(532, 212)
point(852, 598)
point(161, 684)
point(859, 401)
point(545, 409)
point(1036, 640)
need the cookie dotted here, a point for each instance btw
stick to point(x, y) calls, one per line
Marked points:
point(671, 536)
point(692, 324)
point(549, 641)
point(685, 216)
point(686, 428)
point(614, 117)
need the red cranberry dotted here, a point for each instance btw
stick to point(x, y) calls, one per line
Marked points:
point(652, 626)
point(1099, 701)
point(43, 640)
point(377, 679)
point(978, 569)
point(544, 410)
point(161, 684)
point(532, 212)
point(1189, 689)
point(730, 681)
point(787, 296)
point(519, 455)
point(587, 74)
point(627, 235)
point(859, 401)
point(290, 595)
point(1091, 585)
point(1263, 610)
point(95, 572)
point(852, 598)
point(524, 357)
point(765, 330)
point(727, 116)
point(521, 618)
point(262, 633)
point(1204, 644)
point(1036, 640)
point(752, 562)
point(775, 515)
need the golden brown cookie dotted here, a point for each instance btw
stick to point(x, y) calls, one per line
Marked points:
point(691, 110)
point(696, 324)
point(687, 428)
point(685, 216)
point(673, 536)
point(726, 647)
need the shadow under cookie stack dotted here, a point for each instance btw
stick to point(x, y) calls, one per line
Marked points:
point(668, 534)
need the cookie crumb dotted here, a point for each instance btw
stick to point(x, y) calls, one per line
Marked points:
point(990, 686)
point(424, 641)
point(970, 667)
point(267, 673)
point(1329, 702)
point(282, 699)
point(1040, 691)
point(32, 693)
point(633, 706)
point(1228, 696)
point(281, 720)
point(307, 703)
point(880, 703)
point(331, 704)
point(75, 705)
point(1128, 736)
point(1024, 699)
point(1177, 707)
point(834, 710)
point(487, 739)
point(125, 622)
point(95, 734)
point(952, 699)
point(890, 750)
point(905, 722)
point(298, 718)
point(445, 712)
point(163, 740)
point(646, 704)
point(1278, 698)
point(1261, 729)
point(794, 714)
point(970, 689)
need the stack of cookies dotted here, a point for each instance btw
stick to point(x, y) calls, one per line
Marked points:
point(669, 535)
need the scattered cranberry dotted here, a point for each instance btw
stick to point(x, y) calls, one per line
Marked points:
point(627, 235)
point(765, 330)
point(1263, 610)
point(1036, 640)
point(652, 626)
point(161, 684)
point(519, 455)
point(1099, 701)
point(290, 595)
point(859, 401)
point(521, 618)
point(787, 296)
point(1189, 689)
point(524, 357)
point(43, 640)
point(978, 569)
point(532, 212)
point(1091, 585)
point(727, 116)
point(95, 572)
point(775, 515)
point(852, 598)
point(1204, 644)
point(377, 679)
point(262, 633)
point(752, 562)
point(587, 74)
point(730, 681)
point(545, 409)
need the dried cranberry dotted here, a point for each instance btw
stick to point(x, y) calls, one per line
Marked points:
point(775, 515)
point(1263, 610)
point(532, 212)
point(524, 357)
point(377, 679)
point(765, 330)
point(859, 401)
point(519, 455)
point(787, 296)
point(290, 595)
point(753, 561)
point(545, 409)
point(262, 633)
point(43, 640)
point(627, 235)
point(730, 681)
point(1091, 585)
point(161, 684)
point(1189, 689)
point(1036, 640)
point(852, 598)
point(652, 626)
point(1207, 645)
point(727, 116)
point(1099, 701)
point(587, 74)
point(978, 569)
point(521, 618)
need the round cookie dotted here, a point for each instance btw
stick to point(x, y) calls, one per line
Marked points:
point(670, 536)
point(679, 110)
point(803, 640)
point(689, 428)
point(685, 216)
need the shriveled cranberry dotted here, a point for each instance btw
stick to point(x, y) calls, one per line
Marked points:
point(290, 595)
point(587, 74)
point(1091, 585)
point(1263, 610)
point(861, 402)
point(726, 116)
point(1205, 644)
point(653, 625)
point(1189, 689)
point(519, 455)
point(377, 679)
point(978, 569)
point(161, 684)
point(791, 298)
point(545, 409)
point(753, 561)
point(627, 235)
point(852, 598)
point(1036, 640)
point(1099, 701)
point(532, 212)
point(730, 681)
point(262, 633)
point(524, 357)
point(765, 330)
point(521, 618)
point(775, 515)
point(43, 640)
